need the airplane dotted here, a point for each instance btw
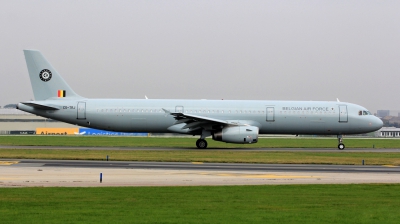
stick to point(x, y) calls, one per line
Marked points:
point(230, 121)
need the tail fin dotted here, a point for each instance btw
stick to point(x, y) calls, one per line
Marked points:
point(45, 80)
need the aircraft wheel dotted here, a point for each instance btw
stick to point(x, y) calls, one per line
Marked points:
point(341, 146)
point(201, 144)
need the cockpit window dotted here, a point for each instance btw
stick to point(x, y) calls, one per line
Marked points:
point(365, 112)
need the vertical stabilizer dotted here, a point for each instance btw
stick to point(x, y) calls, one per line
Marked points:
point(45, 80)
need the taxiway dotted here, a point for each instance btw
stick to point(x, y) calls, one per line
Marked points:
point(224, 149)
point(72, 173)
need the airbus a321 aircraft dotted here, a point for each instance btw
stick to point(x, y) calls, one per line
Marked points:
point(231, 121)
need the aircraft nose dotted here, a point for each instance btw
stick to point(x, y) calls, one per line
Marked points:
point(376, 123)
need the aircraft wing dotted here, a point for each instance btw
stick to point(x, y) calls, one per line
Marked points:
point(188, 118)
point(194, 122)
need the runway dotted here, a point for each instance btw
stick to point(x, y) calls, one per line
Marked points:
point(199, 166)
point(71, 173)
point(195, 149)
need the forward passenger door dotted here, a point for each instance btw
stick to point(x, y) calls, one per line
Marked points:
point(343, 116)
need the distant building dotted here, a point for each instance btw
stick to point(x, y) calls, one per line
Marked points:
point(383, 113)
point(10, 106)
point(11, 111)
point(13, 120)
point(388, 132)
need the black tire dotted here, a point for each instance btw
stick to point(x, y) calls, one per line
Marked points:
point(341, 146)
point(201, 144)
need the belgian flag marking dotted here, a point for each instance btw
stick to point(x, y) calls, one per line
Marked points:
point(61, 93)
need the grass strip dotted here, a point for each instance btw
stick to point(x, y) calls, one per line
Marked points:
point(215, 156)
point(97, 141)
point(364, 203)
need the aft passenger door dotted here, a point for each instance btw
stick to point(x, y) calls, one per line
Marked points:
point(81, 111)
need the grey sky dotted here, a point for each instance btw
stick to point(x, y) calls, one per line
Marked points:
point(267, 50)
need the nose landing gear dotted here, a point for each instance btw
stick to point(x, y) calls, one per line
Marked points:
point(340, 140)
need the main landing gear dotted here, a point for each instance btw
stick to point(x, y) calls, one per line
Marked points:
point(201, 143)
point(340, 140)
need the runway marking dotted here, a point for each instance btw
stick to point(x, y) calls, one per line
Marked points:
point(8, 163)
point(390, 166)
point(265, 176)
point(268, 176)
point(197, 162)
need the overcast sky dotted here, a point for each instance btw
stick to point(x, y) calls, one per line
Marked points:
point(264, 50)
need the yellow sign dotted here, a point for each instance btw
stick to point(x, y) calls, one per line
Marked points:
point(57, 131)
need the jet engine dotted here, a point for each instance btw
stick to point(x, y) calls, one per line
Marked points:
point(237, 134)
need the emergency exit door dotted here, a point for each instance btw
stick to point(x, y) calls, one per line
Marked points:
point(270, 114)
point(179, 109)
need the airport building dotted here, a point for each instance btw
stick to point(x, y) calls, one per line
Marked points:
point(389, 132)
point(13, 121)
point(16, 122)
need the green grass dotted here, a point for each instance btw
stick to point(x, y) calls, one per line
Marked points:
point(91, 141)
point(216, 156)
point(210, 155)
point(366, 203)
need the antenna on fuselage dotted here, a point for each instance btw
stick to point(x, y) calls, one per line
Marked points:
point(146, 97)
point(337, 99)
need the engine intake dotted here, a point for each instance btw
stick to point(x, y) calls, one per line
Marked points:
point(237, 134)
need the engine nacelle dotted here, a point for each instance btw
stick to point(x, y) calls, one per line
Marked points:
point(237, 134)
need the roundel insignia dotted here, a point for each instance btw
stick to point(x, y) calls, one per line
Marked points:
point(45, 75)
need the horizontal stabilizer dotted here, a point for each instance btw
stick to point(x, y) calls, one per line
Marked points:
point(41, 106)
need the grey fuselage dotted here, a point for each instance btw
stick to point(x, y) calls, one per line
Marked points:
point(271, 117)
